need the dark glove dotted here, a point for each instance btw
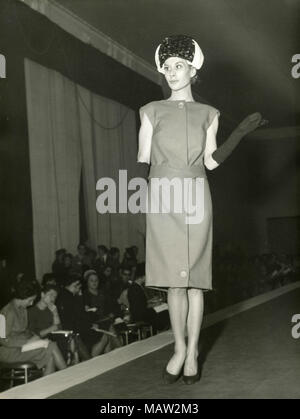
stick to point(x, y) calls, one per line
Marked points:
point(250, 123)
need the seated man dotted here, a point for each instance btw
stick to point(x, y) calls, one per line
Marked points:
point(138, 304)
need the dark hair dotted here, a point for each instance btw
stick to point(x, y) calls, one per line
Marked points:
point(25, 288)
point(70, 279)
point(49, 287)
point(130, 252)
point(48, 277)
point(195, 79)
point(67, 255)
point(102, 247)
point(60, 252)
point(114, 251)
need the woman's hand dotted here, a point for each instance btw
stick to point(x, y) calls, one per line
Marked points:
point(52, 307)
point(54, 328)
point(251, 122)
point(33, 339)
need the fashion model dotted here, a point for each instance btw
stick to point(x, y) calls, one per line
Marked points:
point(177, 138)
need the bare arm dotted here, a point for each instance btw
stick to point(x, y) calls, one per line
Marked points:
point(211, 144)
point(145, 139)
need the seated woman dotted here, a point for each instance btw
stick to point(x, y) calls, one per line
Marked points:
point(43, 319)
point(74, 317)
point(17, 333)
point(140, 308)
point(98, 307)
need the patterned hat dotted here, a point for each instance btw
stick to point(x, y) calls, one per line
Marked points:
point(182, 46)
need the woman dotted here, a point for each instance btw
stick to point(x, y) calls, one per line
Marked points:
point(98, 308)
point(74, 317)
point(178, 138)
point(94, 298)
point(17, 333)
point(43, 319)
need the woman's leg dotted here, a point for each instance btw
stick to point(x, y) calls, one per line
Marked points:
point(194, 321)
point(59, 361)
point(49, 367)
point(82, 349)
point(178, 309)
point(99, 347)
point(108, 347)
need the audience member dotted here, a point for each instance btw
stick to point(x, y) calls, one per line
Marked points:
point(17, 333)
point(57, 265)
point(138, 304)
point(98, 307)
point(101, 259)
point(82, 260)
point(74, 317)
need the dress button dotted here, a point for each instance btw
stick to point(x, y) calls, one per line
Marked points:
point(183, 274)
point(180, 105)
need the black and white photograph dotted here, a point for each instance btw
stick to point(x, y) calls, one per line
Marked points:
point(149, 202)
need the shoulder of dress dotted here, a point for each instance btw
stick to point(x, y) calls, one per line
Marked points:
point(207, 107)
point(153, 103)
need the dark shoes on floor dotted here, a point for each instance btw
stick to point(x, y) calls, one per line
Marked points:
point(170, 378)
point(192, 379)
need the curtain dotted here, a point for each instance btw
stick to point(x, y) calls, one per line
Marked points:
point(109, 144)
point(55, 163)
point(71, 130)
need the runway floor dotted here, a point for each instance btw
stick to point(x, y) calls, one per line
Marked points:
point(250, 355)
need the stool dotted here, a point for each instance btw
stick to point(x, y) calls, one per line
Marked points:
point(137, 329)
point(132, 329)
point(19, 371)
point(145, 328)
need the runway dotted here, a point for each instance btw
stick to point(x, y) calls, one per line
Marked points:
point(251, 354)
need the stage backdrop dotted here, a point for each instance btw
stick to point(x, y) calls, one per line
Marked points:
point(74, 131)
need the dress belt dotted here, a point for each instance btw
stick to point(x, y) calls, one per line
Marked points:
point(164, 170)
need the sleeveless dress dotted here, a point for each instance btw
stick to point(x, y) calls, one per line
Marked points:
point(179, 253)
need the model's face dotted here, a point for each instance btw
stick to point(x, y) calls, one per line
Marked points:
point(178, 73)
